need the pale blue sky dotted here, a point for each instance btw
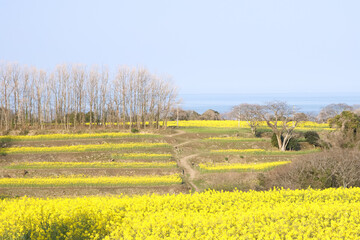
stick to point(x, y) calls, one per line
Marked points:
point(206, 46)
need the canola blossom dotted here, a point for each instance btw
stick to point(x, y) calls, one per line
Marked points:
point(82, 148)
point(243, 124)
point(275, 214)
point(262, 152)
point(241, 166)
point(255, 150)
point(77, 181)
point(234, 139)
point(57, 165)
point(75, 136)
point(142, 156)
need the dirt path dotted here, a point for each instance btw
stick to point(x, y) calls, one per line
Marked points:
point(183, 162)
point(178, 132)
point(184, 143)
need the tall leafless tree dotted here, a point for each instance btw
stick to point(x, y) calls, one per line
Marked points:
point(248, 113)
point(282, 119)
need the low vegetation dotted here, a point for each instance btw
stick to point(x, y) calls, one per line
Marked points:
point(328, 169)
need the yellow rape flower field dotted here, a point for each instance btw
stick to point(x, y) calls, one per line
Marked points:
point(262, 152)
point(75, 136)
point(242, 124)
point(275, 214)
point(241, 166)
point(238, 151)
point(82, 148)
point(90, 181)
point(56, 165)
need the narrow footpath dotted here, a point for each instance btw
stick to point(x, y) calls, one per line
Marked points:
point(183, 161)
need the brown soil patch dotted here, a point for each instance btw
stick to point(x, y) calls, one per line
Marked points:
point(88, 172)
point(69, 142)
point(91, 191)
point(75, 157)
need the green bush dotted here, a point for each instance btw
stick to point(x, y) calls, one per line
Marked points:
point(274, 141)
point(312, 137)
point(134, 130)
point(292, 145)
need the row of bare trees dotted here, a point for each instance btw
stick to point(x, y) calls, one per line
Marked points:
point(75, 95)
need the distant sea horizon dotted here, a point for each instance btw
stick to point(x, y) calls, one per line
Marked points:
point(305, 102)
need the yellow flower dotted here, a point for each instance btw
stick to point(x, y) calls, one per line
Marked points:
point(44, 165)
point(242, 166)
point(82, 148)
point(275, 214)
point(90, 181)
point(243, 124)
point(238, 150)
point(75, 136)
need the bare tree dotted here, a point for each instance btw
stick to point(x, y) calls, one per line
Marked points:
point(92, 93)
point(249, 113)
point(6, 71)
point(103, 93)
point(169, 94)
point(332, 110)
point(39, 80)
point(281, 119)
point(25, 97)
point(210, 114)
point(16, 92)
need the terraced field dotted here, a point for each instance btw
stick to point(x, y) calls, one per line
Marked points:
point(86, 164)
point(198, 155)
point(220, 156)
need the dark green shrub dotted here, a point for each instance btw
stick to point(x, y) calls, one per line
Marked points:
point(134, 130)
point(312, 137)
point(348, 126)
point(292, 145)
point(274, 141)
